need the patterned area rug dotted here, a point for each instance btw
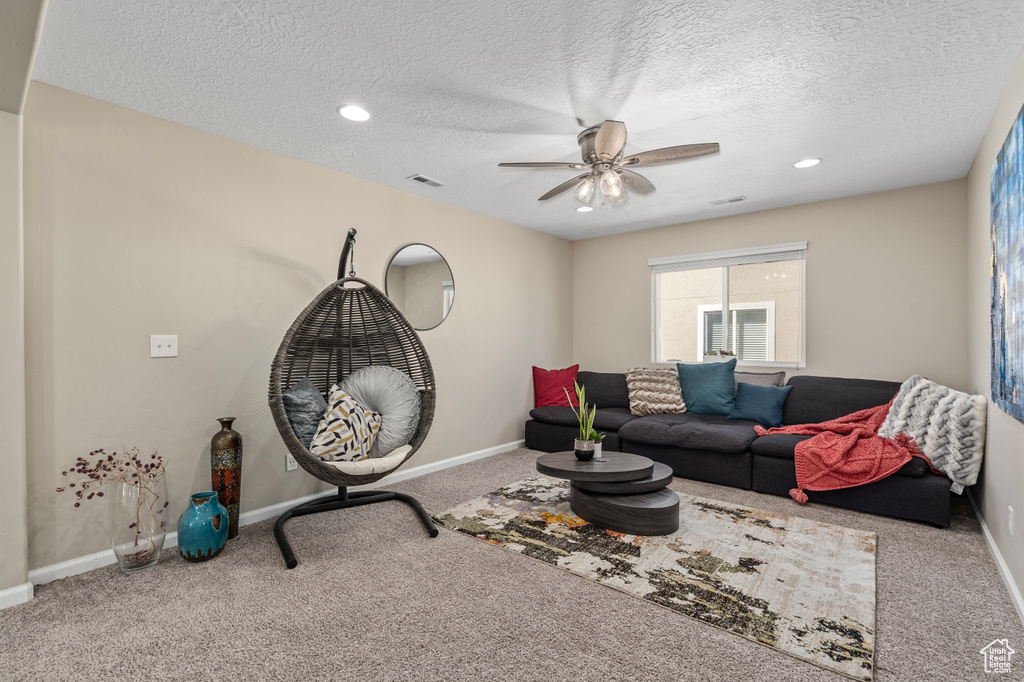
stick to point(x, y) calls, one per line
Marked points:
point(804, 588)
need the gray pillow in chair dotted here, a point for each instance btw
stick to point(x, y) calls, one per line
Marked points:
point(305, 407)
point(394, 395)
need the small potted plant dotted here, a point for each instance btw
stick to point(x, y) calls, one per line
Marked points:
point(719, 356)
point(597, 437)
point(584, 445)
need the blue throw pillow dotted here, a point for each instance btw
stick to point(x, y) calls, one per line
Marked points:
point(708, 388)
point(761, 404)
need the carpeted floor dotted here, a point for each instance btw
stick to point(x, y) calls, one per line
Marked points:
point(374, 598)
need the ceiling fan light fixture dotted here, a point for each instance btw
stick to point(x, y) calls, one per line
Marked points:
point(585, 190)
point(354, 113)
point(611, 184)
point(618, 199)
point(806, 163)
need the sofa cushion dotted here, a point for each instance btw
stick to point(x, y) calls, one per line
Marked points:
point(783, 445)
point(695, 431)
point(819, 399)
point(777, 445)
point(760, 378)
point(605, 389)
point(708, 388)
point(605, 419)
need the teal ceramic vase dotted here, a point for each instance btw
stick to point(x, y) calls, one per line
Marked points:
point(203, 527)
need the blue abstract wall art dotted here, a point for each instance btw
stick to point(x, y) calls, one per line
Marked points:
point(1008, 273)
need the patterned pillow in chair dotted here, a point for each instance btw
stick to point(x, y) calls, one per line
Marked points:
point(347, 431)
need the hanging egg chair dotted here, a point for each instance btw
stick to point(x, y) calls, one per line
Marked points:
point(350, 325)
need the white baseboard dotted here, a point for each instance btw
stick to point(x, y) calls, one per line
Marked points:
point(1004, 570)
point(65, 569)
point(13, 596)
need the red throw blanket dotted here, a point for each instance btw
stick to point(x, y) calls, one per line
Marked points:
point(846, 452)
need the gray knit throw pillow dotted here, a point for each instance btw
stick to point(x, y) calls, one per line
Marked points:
point(654, 391)
point(305, 408)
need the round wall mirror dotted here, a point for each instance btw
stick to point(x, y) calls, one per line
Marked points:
point(420, 283)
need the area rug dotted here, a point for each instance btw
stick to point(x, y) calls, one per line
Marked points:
point(804, 588)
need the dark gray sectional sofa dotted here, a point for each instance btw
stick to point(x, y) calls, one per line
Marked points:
point(728, 452)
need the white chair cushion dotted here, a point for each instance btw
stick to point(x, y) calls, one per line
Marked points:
point(373, 465)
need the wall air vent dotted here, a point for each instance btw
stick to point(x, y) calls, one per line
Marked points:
point(730, 200)
point(426, 181)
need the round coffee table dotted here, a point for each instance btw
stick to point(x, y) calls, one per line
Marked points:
point(626, 494)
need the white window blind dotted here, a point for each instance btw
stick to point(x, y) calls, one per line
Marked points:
point(753, 330)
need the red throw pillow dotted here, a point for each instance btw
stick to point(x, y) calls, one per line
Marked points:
point(548, 385)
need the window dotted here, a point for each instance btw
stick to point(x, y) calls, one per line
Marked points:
point(753, 335)
point(763, 290)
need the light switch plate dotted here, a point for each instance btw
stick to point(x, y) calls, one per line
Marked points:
point(163, 346)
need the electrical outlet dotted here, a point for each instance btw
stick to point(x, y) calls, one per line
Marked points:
point(289, 462)
point(1010, 521)
point(163, 346)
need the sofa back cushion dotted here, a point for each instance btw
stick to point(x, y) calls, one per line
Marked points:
point(760, 378)
point(605, 389)
point(819, 399)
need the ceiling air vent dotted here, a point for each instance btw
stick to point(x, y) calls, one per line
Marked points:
point(426, 181)
point(730, 200)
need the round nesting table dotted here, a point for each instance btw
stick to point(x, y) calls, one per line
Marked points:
point(627, 493)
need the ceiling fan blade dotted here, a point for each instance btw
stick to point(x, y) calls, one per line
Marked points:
point(611, 138)
point(564, 187)
point(635, 181)
point(543, 164)
point(670, 154)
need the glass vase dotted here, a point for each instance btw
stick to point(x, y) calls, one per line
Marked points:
point(136, 520)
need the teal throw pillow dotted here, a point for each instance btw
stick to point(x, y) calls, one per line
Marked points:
point(708, 388)
point(761, 404)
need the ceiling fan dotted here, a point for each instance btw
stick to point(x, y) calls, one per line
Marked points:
point(609, 177)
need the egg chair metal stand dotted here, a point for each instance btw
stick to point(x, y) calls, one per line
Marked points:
point(350, 325)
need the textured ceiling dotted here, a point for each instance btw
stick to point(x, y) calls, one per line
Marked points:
point(890, 94)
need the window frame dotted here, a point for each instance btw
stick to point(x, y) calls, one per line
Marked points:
point(723, 259)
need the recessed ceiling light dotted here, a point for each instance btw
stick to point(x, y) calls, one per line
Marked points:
point(584, 209)
point(354, 113)
point(806, 163)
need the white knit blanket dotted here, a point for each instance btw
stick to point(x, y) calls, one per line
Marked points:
point(948, 427)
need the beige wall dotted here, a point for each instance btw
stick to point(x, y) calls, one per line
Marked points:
point(1002, 479)
point(136, 226)
point(885, 283)
point(13, 536)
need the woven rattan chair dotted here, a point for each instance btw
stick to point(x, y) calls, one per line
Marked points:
point(350, 325)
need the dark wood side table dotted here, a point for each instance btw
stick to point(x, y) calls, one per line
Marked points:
point(627, 494)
